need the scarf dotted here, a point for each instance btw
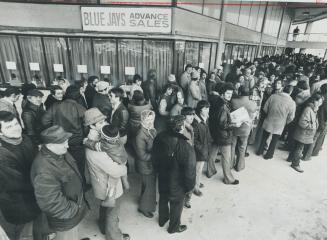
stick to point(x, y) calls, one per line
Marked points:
point(13, 141)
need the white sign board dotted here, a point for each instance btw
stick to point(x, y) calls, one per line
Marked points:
point(11, 65)
point(105, 69)
point(81, 68)
point(34, 66)
point(118, 19)
point(58, 68)
point(201, 65)
point(129, 70)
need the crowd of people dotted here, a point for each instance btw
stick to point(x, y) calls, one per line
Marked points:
point(90, 135)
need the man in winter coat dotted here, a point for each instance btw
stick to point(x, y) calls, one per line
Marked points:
point(101, 98)
point(7, 103)
point(176, 165)
point(221, 128)
point(56, 95)
point(119, 115)
point(202, 141)
point(32, 115)
point(17, 201)
point(280, 111)
point(90, 89)
point(102, 167)
point(69, 115)
point(58, 185)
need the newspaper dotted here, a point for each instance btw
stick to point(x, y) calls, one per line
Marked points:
point(240, 116)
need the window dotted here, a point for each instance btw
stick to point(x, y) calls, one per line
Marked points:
point(253, 16)
point(192, 5)
point(212, 8)
point(158, 55)
point(261, 12)
point(233, 11)
point(11, 64)
point(81, 57)
point(213, 56)
point(192, 53)
point(205, 49)
point(129, 55)
point(179, 58)
point(34, 62)
point(105, 57)
point(56, 53)
point(244, 14)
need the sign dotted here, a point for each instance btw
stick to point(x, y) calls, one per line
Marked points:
point(201, 65)
point(105, 69)
point(34, 66)
point(129, 70)
point(81, 68)
point(11, 65)
point(58, 68)
point(117, 19)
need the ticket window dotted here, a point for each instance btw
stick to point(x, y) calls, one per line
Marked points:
point(11, 65)
point(34, 61)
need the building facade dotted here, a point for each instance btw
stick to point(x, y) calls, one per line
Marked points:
point(41, 40)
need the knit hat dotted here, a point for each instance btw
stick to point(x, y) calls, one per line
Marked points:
point(176, 122)
point(92, 116)
point(35, 93)
point(110, 133)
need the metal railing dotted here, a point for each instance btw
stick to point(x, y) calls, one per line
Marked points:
point(307, 37)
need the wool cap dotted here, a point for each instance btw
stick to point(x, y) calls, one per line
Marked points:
point(110, 133)
point(55, 134)
point(92, 116)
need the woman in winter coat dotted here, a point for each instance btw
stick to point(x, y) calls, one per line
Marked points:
point(194, 93)
point(143, 149)
point(305, 130)
point(164, 108)
point(135, 108)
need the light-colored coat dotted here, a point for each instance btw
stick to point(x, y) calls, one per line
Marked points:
point(307, 126)
point(102, 167)
point(194, 94)
point(280, 109)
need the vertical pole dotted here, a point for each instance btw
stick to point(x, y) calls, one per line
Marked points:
point(262, 29)
point(220, 50)
point(279, 29)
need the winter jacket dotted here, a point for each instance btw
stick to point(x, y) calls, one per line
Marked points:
point(149, 90)
point(193, 94)
point(69, 115)
point(32, 119)
point(89, 94)
point(119, 119)
point(185, 80)
point(17, 201)
point(203, 90)
point(102, 102)
point(58, 189)
point(51, 100)
point(307, 126)
point(202, 139)
point(174, 160)
point(142, 145)
point(220, 123)
point(101, 168)
point(280, 111)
